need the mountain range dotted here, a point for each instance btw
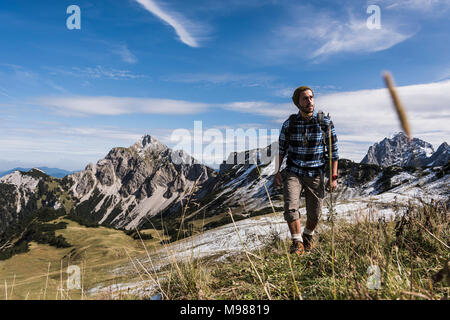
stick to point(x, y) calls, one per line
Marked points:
point(54, 172)
point(143, 187)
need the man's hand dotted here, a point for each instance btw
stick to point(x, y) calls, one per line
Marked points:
point(333, 185)
point(278, 180)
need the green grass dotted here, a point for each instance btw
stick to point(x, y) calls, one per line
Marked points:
point(409, 252)
point(96, 251)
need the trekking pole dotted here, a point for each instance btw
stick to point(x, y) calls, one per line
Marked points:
point(331, 209)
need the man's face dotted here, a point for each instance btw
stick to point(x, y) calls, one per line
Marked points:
point(306, 101)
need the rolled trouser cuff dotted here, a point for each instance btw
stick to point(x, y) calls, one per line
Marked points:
point(291, 215)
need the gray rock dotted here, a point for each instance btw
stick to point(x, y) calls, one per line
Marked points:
point(399, 151)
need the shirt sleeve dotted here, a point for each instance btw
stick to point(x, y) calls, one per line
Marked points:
point(283, 142)
point(334, 140)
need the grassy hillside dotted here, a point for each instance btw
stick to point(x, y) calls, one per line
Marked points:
point(410, 257)
point(42, 272)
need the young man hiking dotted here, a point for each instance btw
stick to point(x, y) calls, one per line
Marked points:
point(304, 140)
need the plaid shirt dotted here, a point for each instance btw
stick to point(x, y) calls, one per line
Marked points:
point(306, 152)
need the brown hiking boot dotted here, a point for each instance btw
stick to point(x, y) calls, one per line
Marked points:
point(297, 248)
point(307, 241)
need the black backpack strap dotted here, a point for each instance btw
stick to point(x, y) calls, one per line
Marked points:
point(292, 118)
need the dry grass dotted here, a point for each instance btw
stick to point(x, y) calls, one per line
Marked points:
point(412, 264)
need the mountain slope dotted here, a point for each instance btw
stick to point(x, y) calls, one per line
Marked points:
point(440, 157)
point(22, 193)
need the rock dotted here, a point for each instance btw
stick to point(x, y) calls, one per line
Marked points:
point(399, 151)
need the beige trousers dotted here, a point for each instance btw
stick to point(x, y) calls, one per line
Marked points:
point(314, 194)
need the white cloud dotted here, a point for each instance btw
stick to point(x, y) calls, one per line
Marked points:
point(354, 36)
point(59, 145)
point(369, 113)
point(422, 5)
point(315, 33)
point(4, 92)
point(247, 80)
point(125, 54)
point(364, 117)
point(269, 109)
point(97, 72)
point(15, 73)
point(174, 20)
point(284, 92)
point(107, 105)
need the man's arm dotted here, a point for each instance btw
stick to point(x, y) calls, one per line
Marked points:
point(278, 178)
point(280, 162)
point(334, 168)
point(282, 149)
point(334, 156)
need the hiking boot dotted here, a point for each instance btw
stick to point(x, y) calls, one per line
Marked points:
point(297, 248)
point(307, 241)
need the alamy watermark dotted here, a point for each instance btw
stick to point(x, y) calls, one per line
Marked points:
point(74, 20)
point(73, 277)
point(374, 279)
point(374, 21)
point(212, 145)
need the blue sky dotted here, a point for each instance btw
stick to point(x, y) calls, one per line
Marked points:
point(153, 66)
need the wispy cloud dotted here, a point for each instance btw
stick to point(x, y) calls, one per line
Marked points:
point(57, 87)
point(107, 105)
point(16, 73)
point(4, 92)
point(97, 72)
point(353, 36)
point(308, 32)
point(421, 5)
point(177, 22)
point(246, 80)
point(13, 78)
point(125, 54)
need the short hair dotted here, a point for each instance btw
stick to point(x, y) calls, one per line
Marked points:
point(297, 92)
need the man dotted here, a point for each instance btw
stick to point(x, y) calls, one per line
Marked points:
point(304, 139)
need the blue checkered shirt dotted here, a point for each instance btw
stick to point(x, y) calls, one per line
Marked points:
point(306, 145)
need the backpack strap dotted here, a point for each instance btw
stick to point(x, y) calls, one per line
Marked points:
point(323, 125)
point(291, 125)
point(321, 120)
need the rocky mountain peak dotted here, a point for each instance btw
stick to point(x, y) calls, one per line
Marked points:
point(398, 150)
point(441, 156)
point(147, 142)
point(133, 183)
point(444, 147)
